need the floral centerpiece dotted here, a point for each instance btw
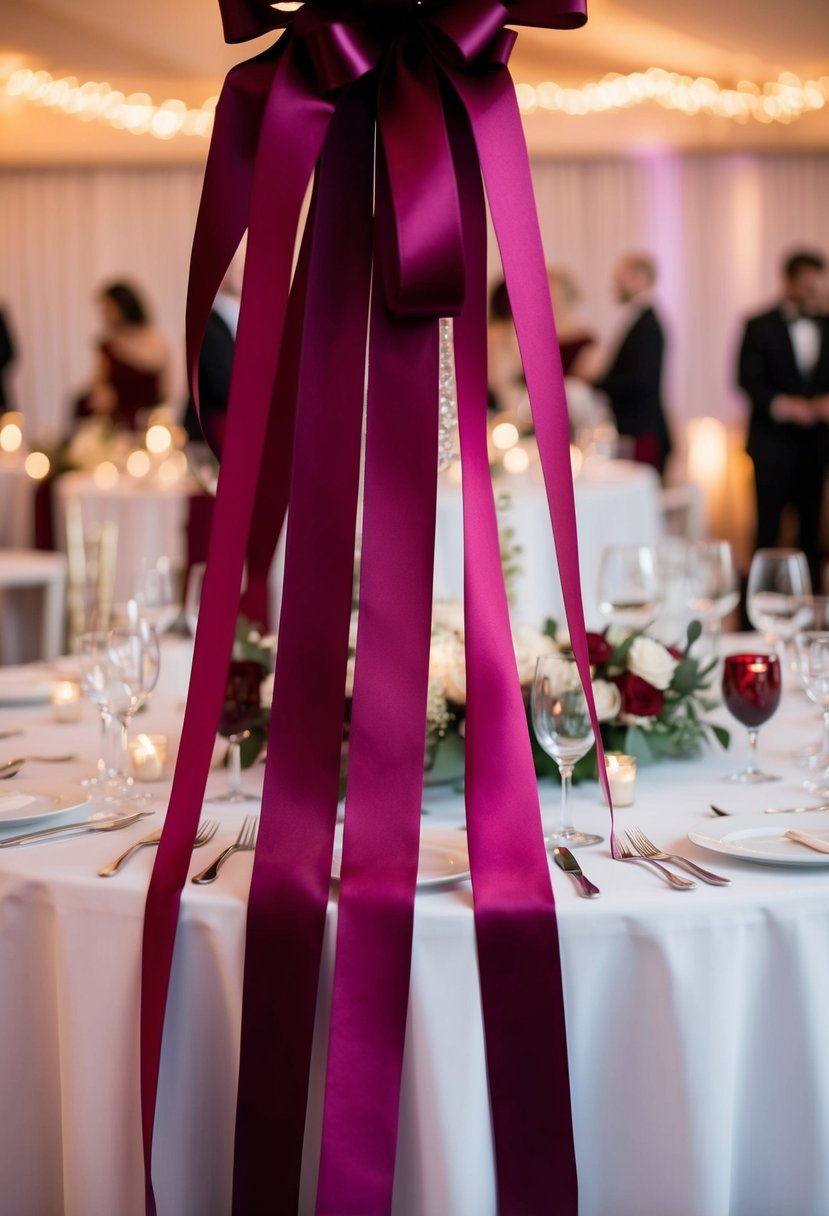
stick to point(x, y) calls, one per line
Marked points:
point(651, 699)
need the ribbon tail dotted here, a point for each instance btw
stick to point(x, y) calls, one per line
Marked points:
point(226, 192)
point(292, 866)
point(295, 124)
point(387, 743)
point(515, 916)
point(496, 123)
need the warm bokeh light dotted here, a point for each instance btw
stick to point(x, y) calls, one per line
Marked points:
point(138, 464)
point(172, 469)
point(11, 437)
point(576, 460)
point(505, 436)
point(158, 440)
point(516, 460)
point(37, 465)
point(105, 475)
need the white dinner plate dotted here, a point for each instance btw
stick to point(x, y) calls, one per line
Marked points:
point(24, 686)
point(25, 802)
point(443, 862)
point(763, 838)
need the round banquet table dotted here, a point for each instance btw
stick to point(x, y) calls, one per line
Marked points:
point(617, 502)
point(151, 520)
point(696, 1021)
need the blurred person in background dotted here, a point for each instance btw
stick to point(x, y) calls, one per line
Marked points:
point(216, 362)
point(628, 367)
point(132, 369)
point(8, 354)
point(784, 371)
point(575, 338)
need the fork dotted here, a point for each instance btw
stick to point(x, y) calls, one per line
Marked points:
point(206, 832)
point(244, 842)
point(646, 848)
point(624, 854)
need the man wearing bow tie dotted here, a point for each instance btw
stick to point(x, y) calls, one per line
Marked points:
point(784, 371)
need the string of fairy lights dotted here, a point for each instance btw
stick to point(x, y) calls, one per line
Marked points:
point(782, 100)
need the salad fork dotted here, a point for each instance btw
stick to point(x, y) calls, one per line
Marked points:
point(623, 853)
point(244, 842)
point(207, 830)
point(646, 848)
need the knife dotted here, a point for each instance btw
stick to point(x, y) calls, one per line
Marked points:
point(811, 842)
point(796, 810)
point(85, 825)
point(565, 860)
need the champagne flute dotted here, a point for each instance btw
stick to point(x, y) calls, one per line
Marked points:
point(155, 594)
point(777, 594)
point(241, 710)
point(562, 727)
point(119, 669)
point(630, 585)
point(812, 651)
point(751, 693)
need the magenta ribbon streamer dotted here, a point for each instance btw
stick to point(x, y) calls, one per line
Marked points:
point(295, 411)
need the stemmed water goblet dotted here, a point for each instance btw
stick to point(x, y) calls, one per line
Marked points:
point(630, 585)
point(751, 692)
point(241, 711)
point(812, 653)
point(778, 593)
point(562, 727)
point(119, 669)
point(713, 588)
point(155, 594)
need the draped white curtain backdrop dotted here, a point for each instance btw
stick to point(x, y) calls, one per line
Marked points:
point(717, 225)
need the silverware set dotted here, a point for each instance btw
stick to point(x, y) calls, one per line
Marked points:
point(645, 852)
point(10, 768)
point(207, 830)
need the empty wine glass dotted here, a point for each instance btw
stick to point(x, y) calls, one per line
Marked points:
point(192, 595)
point(119, 669)
point(751, 692)
point(812, 651)
point(155, 593)
point(630, 585)
point(241, 710)
point(713, 587)
point(776, 595)
point(562, 727)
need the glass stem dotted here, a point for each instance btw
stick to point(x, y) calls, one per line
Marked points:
point(115, 746)
point(824, 747)
point(752, 754)
point(566, 771)
point(234, 766)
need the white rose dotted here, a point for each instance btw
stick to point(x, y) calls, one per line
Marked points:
point(608, 700)
point(529, 644)
point(447, 616)
point(447, 667)
point(266, 691)
point(652, 662)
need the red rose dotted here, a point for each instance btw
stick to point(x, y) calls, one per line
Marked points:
point(599, 649)
point(675, 653)
point(639, 697)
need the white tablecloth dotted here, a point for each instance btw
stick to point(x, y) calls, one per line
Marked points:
point(151, 520)
point(696, 1022)
point(617, 503)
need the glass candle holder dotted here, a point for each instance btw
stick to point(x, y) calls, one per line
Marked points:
point(66, 701)
point(148, 757)
point(621, 773)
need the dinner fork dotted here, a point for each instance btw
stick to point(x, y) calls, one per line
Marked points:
point(207, 830)
point(623, 853)
point(244, 842)
point(646, 848)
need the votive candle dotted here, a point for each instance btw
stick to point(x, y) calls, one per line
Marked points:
point(621, 773)
point(148, 754)
point(66, 701)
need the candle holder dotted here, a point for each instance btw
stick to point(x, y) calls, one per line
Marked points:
point(621, 773)
point(66, 701)
point(148, 756)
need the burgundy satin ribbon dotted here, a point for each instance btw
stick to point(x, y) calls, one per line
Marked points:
point(280, 111)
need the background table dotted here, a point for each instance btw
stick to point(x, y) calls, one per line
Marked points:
point(617, 503)
point(696, 1022)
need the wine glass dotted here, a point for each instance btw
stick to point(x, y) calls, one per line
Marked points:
point(751, 692)
point(713, 588)
point(241, 710)
point(817, 608)
point(776, 595)
point(155, 594)
point(562, 727)
point(812, 651)
point(630, 585)
point(119, 669)
point(192, 595)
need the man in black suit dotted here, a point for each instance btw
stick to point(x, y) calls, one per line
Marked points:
point(784, 372)
point(630, 371)
point(216, 365)
point(7, 357)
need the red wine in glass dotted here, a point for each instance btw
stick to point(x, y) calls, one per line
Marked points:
point(751, 692)
point(240, 711)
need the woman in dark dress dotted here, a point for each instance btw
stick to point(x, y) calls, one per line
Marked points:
point(133, 362)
